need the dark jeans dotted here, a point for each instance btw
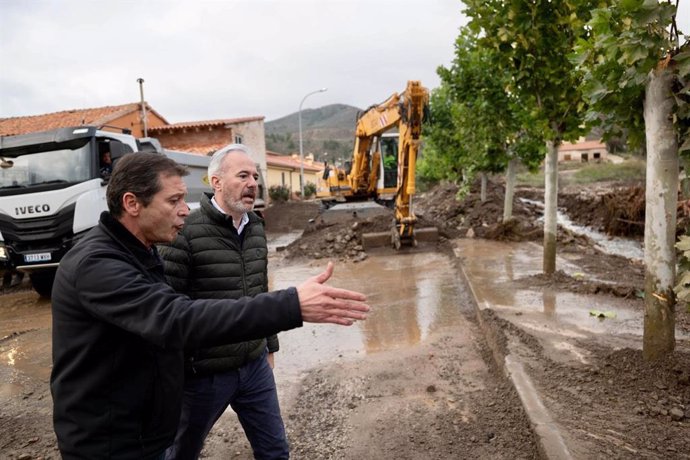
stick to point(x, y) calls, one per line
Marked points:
point(251, 392)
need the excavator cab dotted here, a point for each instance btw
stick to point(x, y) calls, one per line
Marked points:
point(389, 159)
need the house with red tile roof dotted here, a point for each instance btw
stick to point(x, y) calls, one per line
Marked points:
point(583, 150)
point(205, 137)
point(199, 137)
point(111, 118)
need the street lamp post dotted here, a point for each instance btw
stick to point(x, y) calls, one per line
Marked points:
point(301, 152)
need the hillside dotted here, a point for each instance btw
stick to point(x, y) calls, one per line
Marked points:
point(329, 129)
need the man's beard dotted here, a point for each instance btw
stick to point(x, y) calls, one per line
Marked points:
point(239, 206)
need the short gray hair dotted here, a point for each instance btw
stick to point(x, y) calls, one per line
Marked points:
point(217, 158)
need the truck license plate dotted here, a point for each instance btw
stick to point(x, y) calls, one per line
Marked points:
point(40, 257)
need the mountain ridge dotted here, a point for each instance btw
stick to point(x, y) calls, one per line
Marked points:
point(327, 132)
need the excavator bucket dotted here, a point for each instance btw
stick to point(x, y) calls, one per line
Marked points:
point(390, 239)
point(428, 234)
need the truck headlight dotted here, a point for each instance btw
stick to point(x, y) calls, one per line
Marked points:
point(3, 253)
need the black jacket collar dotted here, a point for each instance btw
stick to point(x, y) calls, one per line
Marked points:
point(148, 257)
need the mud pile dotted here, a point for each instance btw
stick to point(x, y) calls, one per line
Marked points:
point(340, 241)
point(616, 211)
point(290, 216)
point(469, 216)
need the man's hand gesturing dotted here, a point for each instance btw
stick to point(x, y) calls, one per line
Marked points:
point(324, 304)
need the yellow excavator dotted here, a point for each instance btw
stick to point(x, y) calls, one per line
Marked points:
point(383, 166)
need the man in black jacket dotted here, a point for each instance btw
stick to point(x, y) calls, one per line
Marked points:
point(221, 253)
point(119, 330)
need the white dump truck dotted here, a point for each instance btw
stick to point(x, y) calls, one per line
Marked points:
point(52, 191)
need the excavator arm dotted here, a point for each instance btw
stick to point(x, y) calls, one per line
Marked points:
point(373, 122)
point(414, 105)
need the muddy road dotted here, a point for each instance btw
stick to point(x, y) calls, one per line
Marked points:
point(413, 381)
point(416, 380)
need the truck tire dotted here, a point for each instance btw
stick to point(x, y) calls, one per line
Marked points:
point(42, 282)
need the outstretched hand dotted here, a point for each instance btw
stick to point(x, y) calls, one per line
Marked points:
point(324, 304)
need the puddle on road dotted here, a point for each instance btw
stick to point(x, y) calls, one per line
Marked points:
point(411, 295)
point(25, 342)
point(490, 264)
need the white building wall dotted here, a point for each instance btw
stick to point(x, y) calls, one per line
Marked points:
point(254, 137)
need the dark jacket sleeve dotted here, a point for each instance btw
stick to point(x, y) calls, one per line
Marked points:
point(176, 259)
point(272, 341)
point(154, 311)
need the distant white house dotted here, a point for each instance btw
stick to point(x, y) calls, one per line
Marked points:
point(583, 151)
point(285, 170)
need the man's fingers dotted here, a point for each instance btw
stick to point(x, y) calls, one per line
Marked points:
point(339, 320)
point(347, 309)
point(344, 294)
point(320, 303)
point(325, 275)
point(337, 312)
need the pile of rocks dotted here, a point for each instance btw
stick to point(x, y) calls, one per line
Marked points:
point(341, 241)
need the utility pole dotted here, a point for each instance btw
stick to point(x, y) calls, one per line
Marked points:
point(143, 106)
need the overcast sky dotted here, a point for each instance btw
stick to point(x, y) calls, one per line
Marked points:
point(204, 59)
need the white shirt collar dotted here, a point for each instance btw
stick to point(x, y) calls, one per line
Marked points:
point(243, 221)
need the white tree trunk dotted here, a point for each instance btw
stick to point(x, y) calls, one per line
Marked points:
point(482, 193)
point(660, 216)
point(510, 190)
point(550, 207)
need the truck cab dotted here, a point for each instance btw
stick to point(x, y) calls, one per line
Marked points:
point(53, 190)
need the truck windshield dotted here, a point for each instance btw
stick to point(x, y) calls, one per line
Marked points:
point(55, 166)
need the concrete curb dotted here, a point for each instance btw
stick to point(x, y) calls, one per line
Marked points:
point(551, 443)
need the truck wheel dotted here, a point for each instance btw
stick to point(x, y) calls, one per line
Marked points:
point(42, 282)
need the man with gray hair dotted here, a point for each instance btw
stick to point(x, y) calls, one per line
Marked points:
point(221, 253)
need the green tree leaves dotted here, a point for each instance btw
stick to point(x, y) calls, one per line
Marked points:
point(629, 38)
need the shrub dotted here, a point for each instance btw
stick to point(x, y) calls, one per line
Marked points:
point(309, 190)
point(279, 193)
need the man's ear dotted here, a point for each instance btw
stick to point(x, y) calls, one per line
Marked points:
point(215, 181)
point(131, 204)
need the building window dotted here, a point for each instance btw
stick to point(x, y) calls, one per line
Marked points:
point(282, 178)
point(239, 139)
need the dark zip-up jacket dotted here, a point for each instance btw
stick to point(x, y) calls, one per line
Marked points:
point(209, 260)
point(119, 332)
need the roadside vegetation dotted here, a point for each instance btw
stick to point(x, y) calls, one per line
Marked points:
point(528, 76)
point(630, 170)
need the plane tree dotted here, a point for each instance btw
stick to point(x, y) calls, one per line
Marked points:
point(443, 149)
point(478, 124)
point(636, 76)
point(532, 41)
